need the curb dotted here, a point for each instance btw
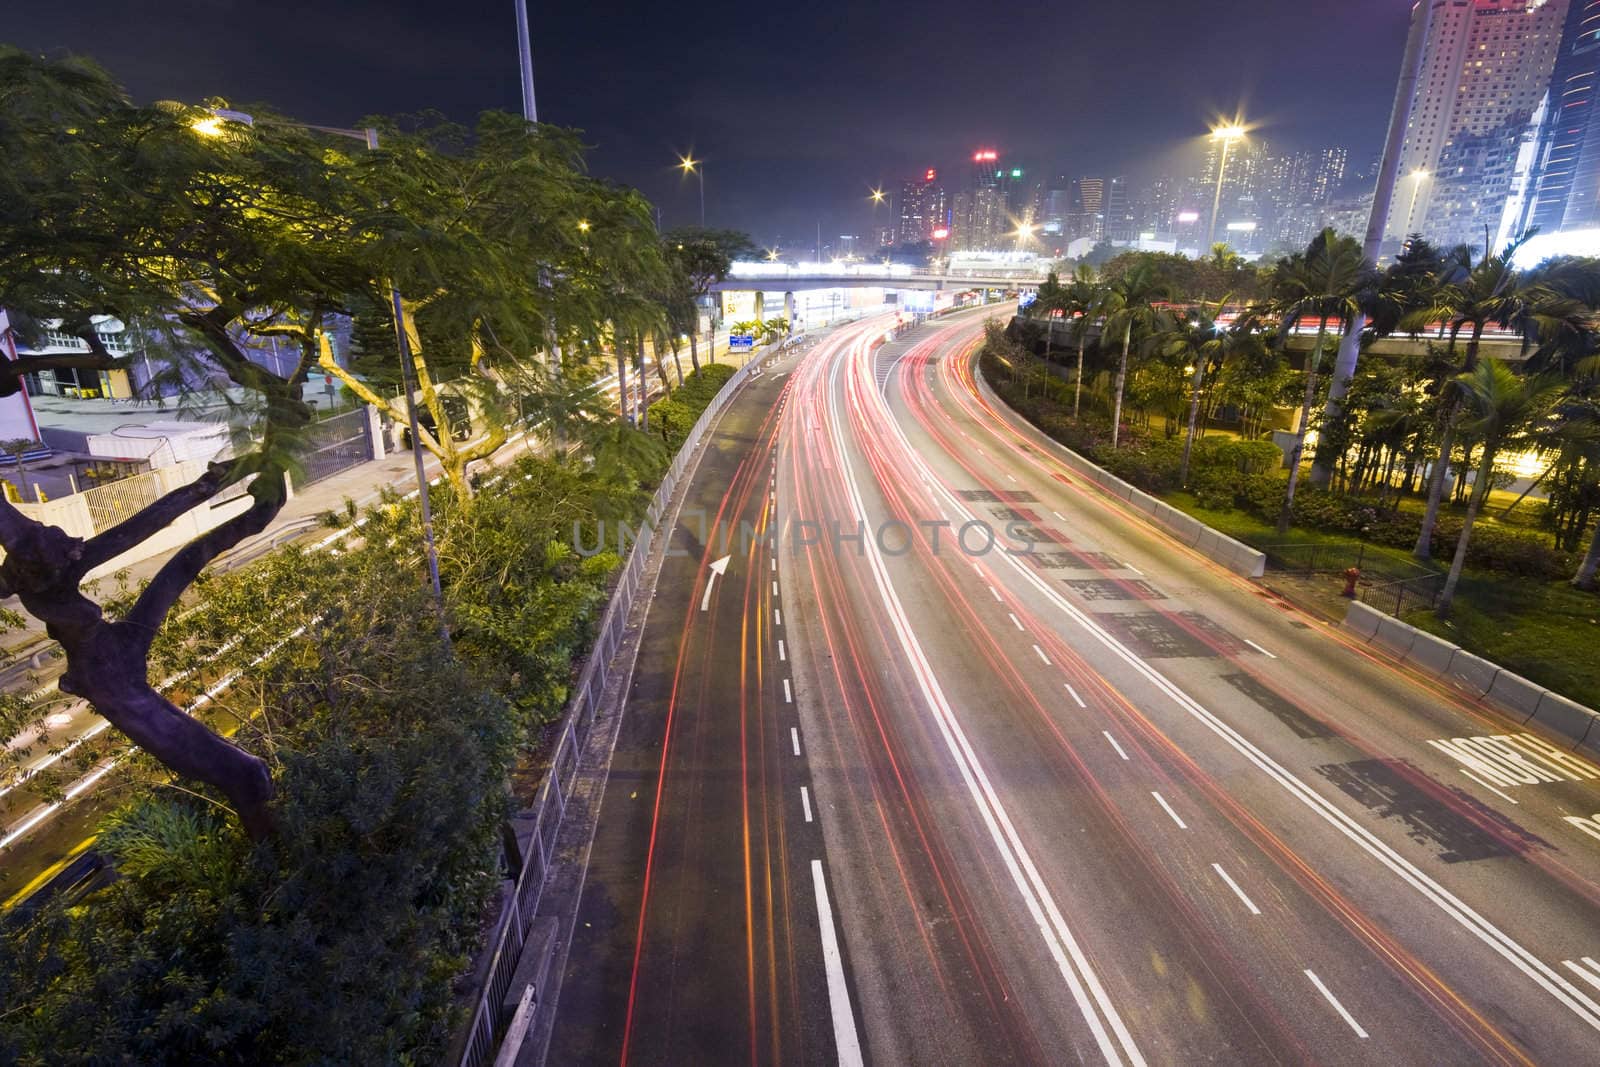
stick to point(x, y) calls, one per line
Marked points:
point(1511, 694)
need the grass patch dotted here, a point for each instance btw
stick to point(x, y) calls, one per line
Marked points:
point(1546, 631)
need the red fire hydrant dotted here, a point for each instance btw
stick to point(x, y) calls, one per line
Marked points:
point(1351, 576)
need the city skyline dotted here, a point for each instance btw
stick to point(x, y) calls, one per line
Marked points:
point(779, 162)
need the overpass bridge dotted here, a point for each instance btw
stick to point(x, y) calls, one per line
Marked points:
point(779, 278)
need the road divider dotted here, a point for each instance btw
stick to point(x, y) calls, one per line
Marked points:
point(1509, 693)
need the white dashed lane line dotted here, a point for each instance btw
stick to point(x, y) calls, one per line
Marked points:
point(1074, 694)
point(1236, 890)
point(794, 739)
point(1114, 744)
point(1259, 649)
point(1168, 809)
point(1336, 1005)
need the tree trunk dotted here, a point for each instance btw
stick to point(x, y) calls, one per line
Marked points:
point(677, 364)
point(1344, 370)
point(1430, 516)
point(1194, 419)
point(1587, 571)
point(624, 398)
point(1122, 378)
point(1286, 514)
point(694, 346)
point(1077, 385)
point(1480, 493)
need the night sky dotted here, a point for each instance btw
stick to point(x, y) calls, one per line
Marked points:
point(799, 109)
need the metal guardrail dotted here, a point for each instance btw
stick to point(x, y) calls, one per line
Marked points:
point(550, 802)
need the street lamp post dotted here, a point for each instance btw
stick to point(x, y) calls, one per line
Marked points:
point(689, 165)
point(211, 128)
point(1227, 135)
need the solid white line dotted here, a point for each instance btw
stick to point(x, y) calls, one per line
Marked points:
point(788, 694)
point(1168, 808)
point(996, 594)
point(805, 802)
point(794, 739)
point(1042, 656)
point(1581, 972)
point(1114, 744)
point(781, 654)
point(1486, 785)
point(1015, 621)
point(1074, 694)
point(1336, 1005)
point(777, 617)
point(1259, 649)
point(847, 1046)
point(1236, 890)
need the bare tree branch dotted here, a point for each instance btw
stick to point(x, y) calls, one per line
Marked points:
point(153, 518)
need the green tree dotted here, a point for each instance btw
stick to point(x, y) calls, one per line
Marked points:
point(1199, 341)
point(114, 209)
point(1322, 285)
point(1129, 305)
point(703, 258)
point(1497, 407)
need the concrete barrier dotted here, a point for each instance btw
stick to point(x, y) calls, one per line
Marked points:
point(1186, 528)
point(1363, 620)
point(1469, 673)
point(1565, 717)
point(1144, 501)
point(1431, 654)
point(1515, 695)
point(1395, 636)
point(1247, 561)
point(1476, 676)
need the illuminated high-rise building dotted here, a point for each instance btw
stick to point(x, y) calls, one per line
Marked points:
point(1567, 184)
point(922, 208)
point(1486, 66)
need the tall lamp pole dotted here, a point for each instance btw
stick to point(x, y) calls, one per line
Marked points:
point(1227, 135)
point(690, 165)
point(530, 110)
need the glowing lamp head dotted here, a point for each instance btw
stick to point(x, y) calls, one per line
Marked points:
point(688, 163)
point(1228, 133)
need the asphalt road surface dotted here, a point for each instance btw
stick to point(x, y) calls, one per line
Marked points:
point(957, 761)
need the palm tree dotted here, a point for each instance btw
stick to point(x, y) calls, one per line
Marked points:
point(1497, 407)
point(1081, 298)
point(1321, 283)
point(1129, 305)
point(1200, 342)
point(1490, 291)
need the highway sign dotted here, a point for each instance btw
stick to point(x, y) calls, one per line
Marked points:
point(741, 344)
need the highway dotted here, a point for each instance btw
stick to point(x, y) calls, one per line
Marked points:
point(887, 793)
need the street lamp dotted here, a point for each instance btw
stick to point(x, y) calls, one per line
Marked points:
point(1024, 234)
point(690, 165)
point(1227, 135)
point(214, 125)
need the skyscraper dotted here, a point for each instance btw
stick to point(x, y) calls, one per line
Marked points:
point(921, 208)
point(1486, 67)
point(1567, 191)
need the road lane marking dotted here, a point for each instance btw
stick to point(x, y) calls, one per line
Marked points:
point(788, 694)
point(794, 739)
point(1074, 693)
point(996, 593)
point(1060, 516)
point(1016, 622)
point(1084, 985)
point(1168, 809)
point(774, 563)
point(1259, 649)
point(781, 654)
point(1131, 567)
point(1590, 974)
point(774, 588)
point(1590, 826)
point(1516, 759)
point(1114, 744)
point(1236, 890)
point(805, 802)
point(1490, 788)
point(1042, 656)
point(777, 617)
point(847, 1045)
point(718, 568)
point(1326, 992)
point(1507, 947)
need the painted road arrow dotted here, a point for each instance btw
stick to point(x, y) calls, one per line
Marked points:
point(719, 567)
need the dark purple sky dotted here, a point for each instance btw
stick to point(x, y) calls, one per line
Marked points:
point(798, 108)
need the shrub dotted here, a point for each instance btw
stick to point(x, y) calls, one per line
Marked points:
point(673, 416)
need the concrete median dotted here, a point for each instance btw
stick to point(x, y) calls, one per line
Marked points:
point(1469, 673)
point(1395, 637)
point(1515, 695)
point(1565, 717)
point(1363, 620)
point(1431, 654)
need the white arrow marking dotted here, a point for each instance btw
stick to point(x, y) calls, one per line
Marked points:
point(719, 567)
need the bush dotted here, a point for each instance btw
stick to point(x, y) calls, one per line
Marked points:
point(673, 416)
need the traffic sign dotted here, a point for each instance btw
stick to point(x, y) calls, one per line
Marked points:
point(741, 344)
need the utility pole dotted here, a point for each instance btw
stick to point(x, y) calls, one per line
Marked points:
point(530, 110)
point(1344, 368)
